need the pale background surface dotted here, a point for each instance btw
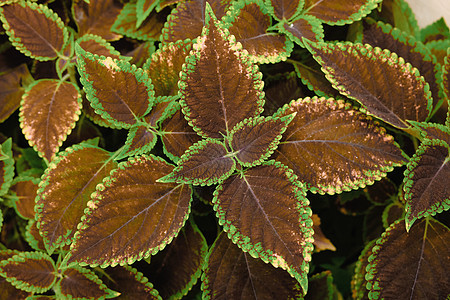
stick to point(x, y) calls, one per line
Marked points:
point(428, 11)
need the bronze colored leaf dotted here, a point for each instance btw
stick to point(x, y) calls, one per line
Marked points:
point(160, 111)
point(265, 212)
point(34, 29)
point(285, 9)
point(321, 143)
point(410, 265)
point(97, 45)
point(131, 284)
point(177, 135)
point(180, 263)
point(140, 140)
point(305, 27)
point(33, 237)
point(250, 24)
point(338, 12)
point(29, 271)
point(219, 86)
point(281, 91)
point(131, 215)
point(426, 182)
point(97, 17)
point(359, 281)
point(48, 113)
point(231, 273)
point(320, 286)
point(165, 65)
point(81, 283)
point(11, 90)
point(321, 242)
point(119, 92)
point(143, 10)
point(366, 74)
point(188, 19)
point(66, 188)
point(26, 193)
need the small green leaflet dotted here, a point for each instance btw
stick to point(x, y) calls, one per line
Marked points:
point(130, 216)
point(118, 91)
point(6, 166)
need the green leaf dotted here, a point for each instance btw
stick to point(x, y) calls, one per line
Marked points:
point(284, 9)
point(438, 30)
point(165, 65)
point(11, 90)
point(131, 284)
point(219, 86)
point(231, 273)
point(80, 283)
point(307, 27)
point(188, 18)
point(6, 166)
point(365, 74)
point(410, 265)
point(131, 215)
point(177, 135)
point(34, 29)
point(118, 91)
point(29, 271)
point(149, 30)
point(446, 83)
point(96, 17)
point(250, 22)
point(399, 14)
point(265, 212)
point(180, 263)
point(339, 13)
point(426, 181)
point(255, 139)
point(204, 163)
point(48, 113)
point(321, 143)
point(412, 51)
point(65, 190)
point(143, 10)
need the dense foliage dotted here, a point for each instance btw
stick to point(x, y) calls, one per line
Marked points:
point(247, 149)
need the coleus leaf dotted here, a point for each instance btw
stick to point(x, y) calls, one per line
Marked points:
point(11, 90)
point(140, 140)
point(131, 284)
point(307, 27)
point(29, 271)
point(177, 135)
point(320, 143)
point(285, 88)
point(284, 9)
point(321, 242)
point(365, 74)
point(26, 193)
point(143, 10)
point(48, 112)
point(417, 54)
point(34, 29)
point(231, 273)
point(250, 22)
point(188, 18)
point(81, 283)
point(98, 45)
point(400, 15)
point(265, 212)
point(7, 290)
point(165, 65)
point(358, 283)
point(149, 30)
point(339, 13)
point(438, 30)
point(446, 81)
point(255, 139)
point(65, 190)
point(118, 91)
point(97, 17)
point(419, 270)
point(180, 263)
point(33, 237)
point(426, 181)
point(219, 86)
point(321, 287)
point(131, 215)
point(204, 163)
point(6, 166)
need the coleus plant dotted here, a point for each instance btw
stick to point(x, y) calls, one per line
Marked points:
point(134, 218)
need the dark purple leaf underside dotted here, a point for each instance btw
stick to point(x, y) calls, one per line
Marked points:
point(284, 9)
point(321, 143)
point(219, 86)
point(187, 21)
point(411, 265)
point(131, 215)
point(231, 273)
point(250, 29)
point(426, 185)
point(265, 213)
point(11, 91)
point(48, 113)
point(206, 162)
point(131, 284)
point(96, 17)
point(180, 263)
point(65, 190)
point(366, 74)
